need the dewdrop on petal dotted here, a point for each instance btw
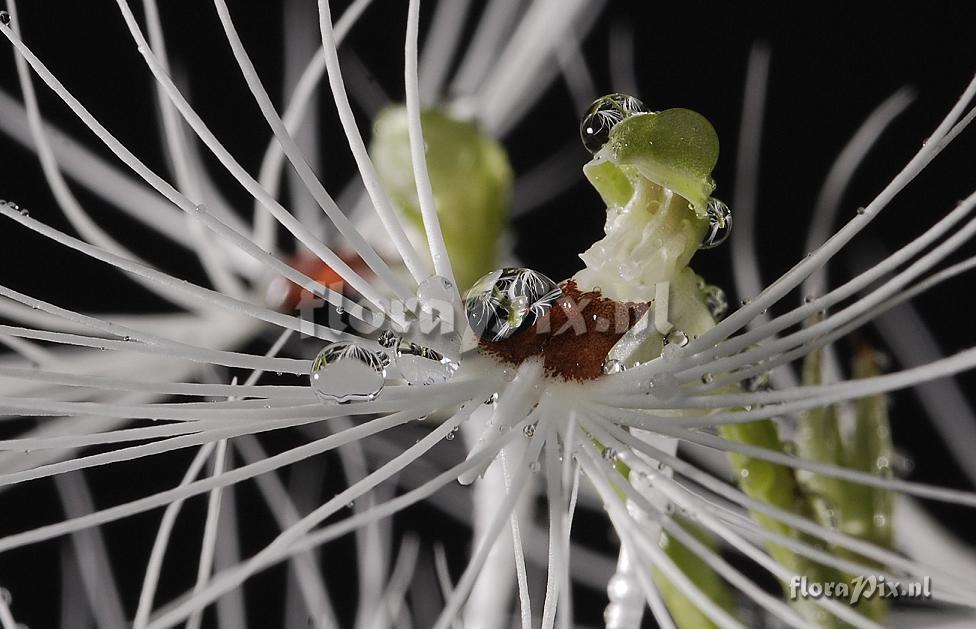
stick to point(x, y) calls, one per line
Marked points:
point(346, 372)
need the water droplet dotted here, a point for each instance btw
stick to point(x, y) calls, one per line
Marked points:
point(832, 519)
point(861, 211)
point(4, 18)
point(534, 467)
point(901, 462)
point(450, 436)
point(880, 520)
point(437, 298)
point(388, 339)
point(719, 224)
point(529, 430)
point(744, 473)
point(620, 587)
point(758, 382)
point(421, 365)
point(664, 385)
point(707, 378)
point(508, 300)
point(492, 398)
point(716, 301)
point(603, 115)
point(628, 271)
point(345, 372)
point(16, 208)
point(676, 338)
point(612, 366)
point(609, 454)
point(350, 504)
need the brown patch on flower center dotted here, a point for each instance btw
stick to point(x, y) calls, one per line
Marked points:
point(574, 337)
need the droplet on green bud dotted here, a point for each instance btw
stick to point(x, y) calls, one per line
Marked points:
point(675, 148)
point(471, 180)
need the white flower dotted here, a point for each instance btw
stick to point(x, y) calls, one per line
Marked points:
point(550, 420)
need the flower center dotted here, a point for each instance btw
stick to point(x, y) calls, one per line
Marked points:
point(574, 337)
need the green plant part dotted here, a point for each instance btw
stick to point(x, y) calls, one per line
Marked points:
point(651, 234)
point(858, 510)
point(675, 149)
point(471, 180)
point(684, 612)
point(654, 174)
point(870, 450)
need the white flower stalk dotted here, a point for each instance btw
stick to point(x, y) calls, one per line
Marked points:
point(583, 394)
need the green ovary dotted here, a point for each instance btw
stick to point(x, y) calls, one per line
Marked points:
point(470, 177)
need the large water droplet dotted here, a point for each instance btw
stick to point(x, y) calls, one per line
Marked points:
point(345, 372)
point(419, 364)
point(603, 115)
point(719, 224)
point(508, 300)
point(4, 18)
point(423, 365)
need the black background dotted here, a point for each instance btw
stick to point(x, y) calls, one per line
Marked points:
point(832, 63)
